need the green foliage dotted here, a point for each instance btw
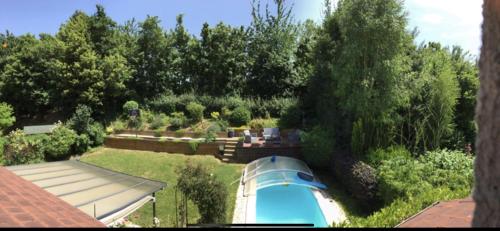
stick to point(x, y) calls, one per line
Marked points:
point(177, 120)
point(3, 143)
point(376, 157)
point(240, 116)
point(317, 147)
point(291, 118)
point(158, 133)
point(405, 177)
point(22, 150)
point(82, 144)
point(208, 193)
point(60, 142)
point(158, 121)
point(96, 134)
point(130, 105)
point(195, 111)
point(81, 119)
point(193, 145)
point(263, 123)
point(7, 118)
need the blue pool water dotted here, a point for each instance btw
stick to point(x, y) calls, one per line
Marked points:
point(291, 204)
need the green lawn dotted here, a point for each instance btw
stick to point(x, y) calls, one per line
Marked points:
point(162, 166)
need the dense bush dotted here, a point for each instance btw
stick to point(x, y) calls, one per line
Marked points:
point(291, 117)
point(158, 121)
point(207, 192)
point(263, 123)
point(164, 104)
point(195, 111)
point(82, 144)
point(375, 158)
point(404, 177)
point(359, 179)
point(59, 142)
point(22, 150)
point(177, 120)
point(96, 134)
point(240, 116)
point(7, 118)
point(81, 120)
point(317, 147)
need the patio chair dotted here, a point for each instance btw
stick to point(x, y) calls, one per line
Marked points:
point(271, 134)
point(250, 137)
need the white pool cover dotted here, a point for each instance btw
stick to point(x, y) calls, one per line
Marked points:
point(104, 194)
point(278, 170)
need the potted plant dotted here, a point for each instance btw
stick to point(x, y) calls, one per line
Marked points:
point(230, 133)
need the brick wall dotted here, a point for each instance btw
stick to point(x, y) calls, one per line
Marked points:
point(169, 133)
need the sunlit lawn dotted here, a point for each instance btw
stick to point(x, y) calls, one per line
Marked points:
point(162, 166)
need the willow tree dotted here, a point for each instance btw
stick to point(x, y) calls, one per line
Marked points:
point(487, 165)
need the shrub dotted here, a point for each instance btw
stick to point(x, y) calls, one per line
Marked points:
point(240, 116)
point(6, 116)
point(59, 143)
point(375, 158)
point(210, 136)
point(130, 105)
point(263, 123)
point(158, 121)
point(118, 125)
point(180, 133)
point(193, 145)
point(359, 178)
point(158, 133)
point(164, 103)
point(207, 192)
point(96, 134)
point(81, 119)
point(82, 144)
point(317, 147)
point(195, 111)
point(215, 115)
point(147, 116)
point(178, 120)
point(3, 143)
point(21, 150)
point(291, 117)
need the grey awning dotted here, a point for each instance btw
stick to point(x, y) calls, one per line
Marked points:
point(86, 186)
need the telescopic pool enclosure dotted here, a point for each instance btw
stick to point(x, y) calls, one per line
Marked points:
point(278, 170)
point(101, 193)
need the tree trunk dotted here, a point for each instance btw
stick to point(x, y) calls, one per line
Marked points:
point(487, 164)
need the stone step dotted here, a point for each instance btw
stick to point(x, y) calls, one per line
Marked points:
point(228, 155)
point(229, 150)
point(226, 160)
point(231, 142)
point(231, 146)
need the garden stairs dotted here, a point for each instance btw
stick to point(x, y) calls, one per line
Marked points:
point(229, 149)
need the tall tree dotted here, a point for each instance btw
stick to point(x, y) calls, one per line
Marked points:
point(82, 82)
point(222, 60)
point(271, 50)
point(487, 163)
point(183, 57)
point(153, 71)
point(102, 31)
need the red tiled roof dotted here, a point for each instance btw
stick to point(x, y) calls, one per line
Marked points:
point(24, 204)
point(448, 214)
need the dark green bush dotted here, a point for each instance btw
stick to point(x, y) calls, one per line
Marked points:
point(195, 111)
point(82, 144)
point(317, 147)
point(22, 150)
point(7, 118)
point(359, 178)
point(263, 123)
point(207, 192)
point(240, 116)
point(59, 142)
point(164, 104)
point(375, 158)
point(291, 117)
point(81, 119)
point(3, 143)
point(96, 134)
point(178, 120)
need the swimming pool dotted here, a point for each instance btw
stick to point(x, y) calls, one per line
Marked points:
point(288, 204)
